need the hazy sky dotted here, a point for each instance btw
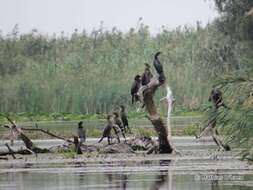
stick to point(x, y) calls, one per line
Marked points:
point(49, 16)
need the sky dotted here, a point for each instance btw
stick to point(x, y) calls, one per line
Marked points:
point(54, 16)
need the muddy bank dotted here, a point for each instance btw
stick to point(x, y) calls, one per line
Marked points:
point(191, 149)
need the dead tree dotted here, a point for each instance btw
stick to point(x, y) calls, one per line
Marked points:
point(146, 94)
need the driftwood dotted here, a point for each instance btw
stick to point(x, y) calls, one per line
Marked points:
point(23, 152)
point(79, 147)
point(30, 147)
point(46, 132)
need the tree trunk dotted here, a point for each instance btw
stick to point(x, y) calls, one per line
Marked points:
point(155, 118)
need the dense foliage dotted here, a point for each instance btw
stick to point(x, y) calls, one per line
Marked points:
point(92, 73)
point(237, 26)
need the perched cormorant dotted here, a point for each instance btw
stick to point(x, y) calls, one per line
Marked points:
point(118, 123)
point(107, 130)
point(81, 132)
point(123, 117)
point(216, 98)
point(159, 68)
point(147, 75)
point(135, 87)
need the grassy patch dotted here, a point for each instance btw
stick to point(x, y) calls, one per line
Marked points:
point(26, 116)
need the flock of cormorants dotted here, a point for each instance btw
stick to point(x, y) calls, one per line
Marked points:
point(146, 77)
point(118, 121)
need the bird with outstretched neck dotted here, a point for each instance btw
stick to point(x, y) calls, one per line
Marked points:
point(159, 68)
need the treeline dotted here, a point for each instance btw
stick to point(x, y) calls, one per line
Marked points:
point(92, 73)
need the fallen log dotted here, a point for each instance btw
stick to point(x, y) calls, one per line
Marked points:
point(23, 152)
point(82, 147)
point(30, 148)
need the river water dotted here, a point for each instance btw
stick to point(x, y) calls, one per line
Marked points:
point(196, 169)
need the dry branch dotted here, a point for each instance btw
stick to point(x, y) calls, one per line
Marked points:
point(23, 152)
point(47, 132)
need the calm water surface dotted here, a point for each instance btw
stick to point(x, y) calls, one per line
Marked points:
point(162, 174)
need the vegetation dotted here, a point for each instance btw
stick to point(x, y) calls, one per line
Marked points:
point(237, 83)
point(67, 75)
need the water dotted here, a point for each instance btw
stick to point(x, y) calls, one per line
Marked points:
point(176, 121)
point(161, 174)
point(196, 169)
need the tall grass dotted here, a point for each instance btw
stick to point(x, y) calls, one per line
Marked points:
point(92, 73)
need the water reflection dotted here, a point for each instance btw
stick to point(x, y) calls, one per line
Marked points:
point(163, 177)
point(116, 180)
point(118, 175)
point(160, 180)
